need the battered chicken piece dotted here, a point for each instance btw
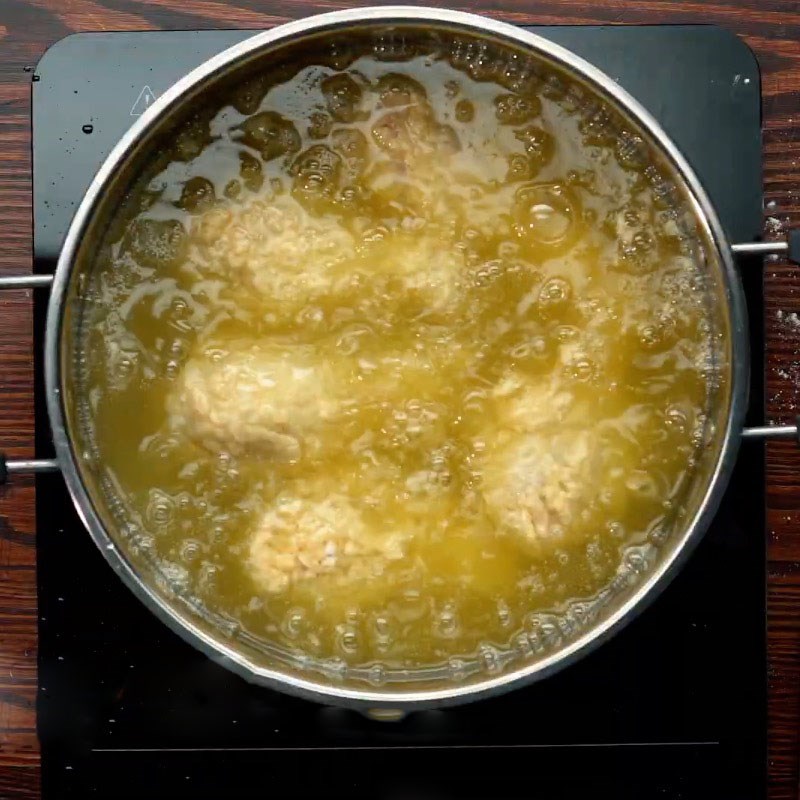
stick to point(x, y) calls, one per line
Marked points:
point(424, 269)
point(256, 398)
point(543, 468)
point(281, 251)
point(536, 486)
point(273, 246)
point(528, 406)
point(300, 539)
point(273, 400)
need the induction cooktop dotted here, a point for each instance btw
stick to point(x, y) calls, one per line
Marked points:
point(672, 707)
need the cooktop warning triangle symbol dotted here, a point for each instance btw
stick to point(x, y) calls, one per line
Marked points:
point(143, 102)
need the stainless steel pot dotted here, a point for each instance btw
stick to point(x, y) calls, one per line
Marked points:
point(549, 642)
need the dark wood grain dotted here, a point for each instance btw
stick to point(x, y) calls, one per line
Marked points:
point(27, 27)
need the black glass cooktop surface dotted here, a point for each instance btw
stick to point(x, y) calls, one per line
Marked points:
point(673, 707)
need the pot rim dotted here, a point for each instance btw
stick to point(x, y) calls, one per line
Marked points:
point(595, 635)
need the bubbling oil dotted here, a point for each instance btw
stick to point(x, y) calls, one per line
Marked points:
point(392, 354)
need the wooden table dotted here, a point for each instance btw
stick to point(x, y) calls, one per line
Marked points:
point(27, 27)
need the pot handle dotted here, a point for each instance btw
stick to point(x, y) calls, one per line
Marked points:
point(788, 248)
point(25, 281)
point(13, 467)
point(22, 465)
point(774, 432)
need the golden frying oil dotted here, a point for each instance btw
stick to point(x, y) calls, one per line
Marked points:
point(484, 275)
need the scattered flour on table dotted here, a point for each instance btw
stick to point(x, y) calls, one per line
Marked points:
point(788, 337)
point(790, 320)
point(773, 226)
